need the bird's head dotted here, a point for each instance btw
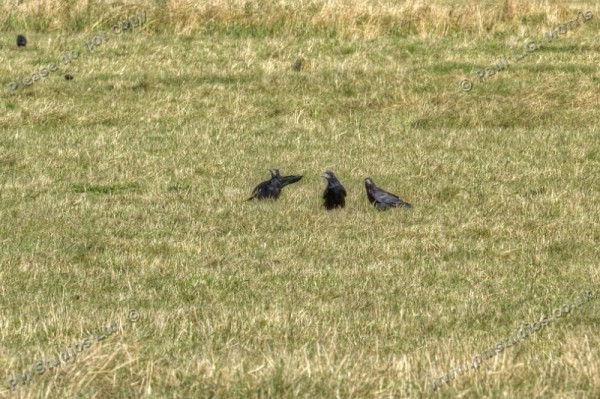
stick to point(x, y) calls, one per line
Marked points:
point(369, 183)
point(275, 173)
point(328, 175)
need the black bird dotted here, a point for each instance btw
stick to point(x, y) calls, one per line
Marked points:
point(335, 194)
point(21, 41)
point(272, 188)
point(381, 198)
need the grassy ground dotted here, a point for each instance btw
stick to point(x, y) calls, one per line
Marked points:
point(123, 189)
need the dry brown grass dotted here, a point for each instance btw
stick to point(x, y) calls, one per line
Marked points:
point(124, 189)
point(346, 18)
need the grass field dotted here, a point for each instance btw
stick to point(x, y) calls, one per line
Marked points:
point(123, 191)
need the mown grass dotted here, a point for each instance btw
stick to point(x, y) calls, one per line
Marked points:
point(124, 189)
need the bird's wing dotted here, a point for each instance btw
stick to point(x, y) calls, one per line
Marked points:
point(384, 197)
point(392, 200)
point(258, 188)
point(285, 180)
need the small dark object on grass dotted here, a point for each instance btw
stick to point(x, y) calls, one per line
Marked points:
point(68, 77)
point(381, 198)
point(272, 188)
point(298, 64)
point(335, 194)
point(21, 41)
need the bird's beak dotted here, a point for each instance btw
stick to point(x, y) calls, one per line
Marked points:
point(325, 175)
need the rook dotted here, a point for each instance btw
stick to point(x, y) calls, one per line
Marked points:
point(381, 198)
point(272, 188)
point(335, 194)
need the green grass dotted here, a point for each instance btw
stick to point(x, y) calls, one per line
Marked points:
point(124, 189)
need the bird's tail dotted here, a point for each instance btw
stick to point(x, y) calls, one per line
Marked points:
point(404, 204)
point(286, 180)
